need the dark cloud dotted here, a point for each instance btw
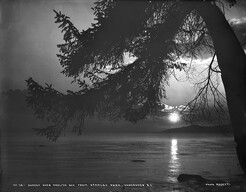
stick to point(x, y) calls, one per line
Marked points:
point(241, 5)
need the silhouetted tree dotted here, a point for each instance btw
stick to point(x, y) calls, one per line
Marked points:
point(156, 34)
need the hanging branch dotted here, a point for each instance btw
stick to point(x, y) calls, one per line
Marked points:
point(209, 104)
point(112, 89)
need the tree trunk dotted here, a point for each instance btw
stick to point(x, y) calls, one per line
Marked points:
point(232, 62)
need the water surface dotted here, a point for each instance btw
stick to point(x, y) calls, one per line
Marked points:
point(118, 158)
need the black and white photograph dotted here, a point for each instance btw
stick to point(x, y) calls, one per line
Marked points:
point(123, 95)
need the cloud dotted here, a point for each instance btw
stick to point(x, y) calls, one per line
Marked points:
point(169, 108)
point(241, 6)
point(239, 27)
point(238, 21)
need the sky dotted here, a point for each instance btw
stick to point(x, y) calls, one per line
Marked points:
point(29, 37)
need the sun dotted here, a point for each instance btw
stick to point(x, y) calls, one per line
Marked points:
point(174, 117)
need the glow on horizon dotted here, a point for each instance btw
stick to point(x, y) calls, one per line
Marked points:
point(174, 117)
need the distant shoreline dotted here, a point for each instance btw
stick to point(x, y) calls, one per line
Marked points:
point(197, 129)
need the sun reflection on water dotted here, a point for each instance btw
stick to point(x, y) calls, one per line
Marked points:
point(174, 163)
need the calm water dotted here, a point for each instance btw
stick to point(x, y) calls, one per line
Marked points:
point(110, 159)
